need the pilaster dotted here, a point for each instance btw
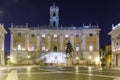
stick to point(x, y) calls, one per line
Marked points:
point(27, 41)
point(72, 40)
point(98, 41)
point(48, 41)
point(11, 41)
point(61, 43)
point(83, 42)
point(38, 41)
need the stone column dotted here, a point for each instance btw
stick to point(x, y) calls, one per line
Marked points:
point(38, 42)
point(112, 42)
point(61, 43)
point(72, 42)
point(83, 42)
point(26, 41)
point(3, 40)
point(2, 58)
point(11, 41)
point(2, 52)
point(48, 42)
point(98, 41)
point(113, 58)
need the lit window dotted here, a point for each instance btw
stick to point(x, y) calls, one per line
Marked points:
point(43, 35)
point(90, 47)
point(66, 35)
point(43, 48)
point(19, 47)
point(32, 48)
point(77, 48)
point(55, 35)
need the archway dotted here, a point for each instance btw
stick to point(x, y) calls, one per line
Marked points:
point(55, 48)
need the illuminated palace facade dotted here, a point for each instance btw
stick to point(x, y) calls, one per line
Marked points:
point(2, 39)
point(115, 45)
point(48, 43)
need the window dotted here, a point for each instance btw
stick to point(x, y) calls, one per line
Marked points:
point(19, 47)
point(90, 47)
point(32, 48)
point(90, 34)
point(32, 35)
point(43, 35)
point(55, 35)
point(66, 35)
point(117, 44)
point(77, 48)
point(54, 14)
point(54, 23)
point(77, 35)
point(19, 34)
point(43, 48)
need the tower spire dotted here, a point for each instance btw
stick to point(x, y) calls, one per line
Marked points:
point(54, 16)
point(53, 4)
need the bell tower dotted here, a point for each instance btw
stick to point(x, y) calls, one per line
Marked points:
point(54, 16)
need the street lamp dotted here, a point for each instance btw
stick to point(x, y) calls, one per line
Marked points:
point(28, 58)
point(8, 58)
point(77, 60)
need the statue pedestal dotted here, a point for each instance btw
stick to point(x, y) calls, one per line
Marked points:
point(68, 61)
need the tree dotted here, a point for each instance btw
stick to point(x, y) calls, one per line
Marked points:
point(69, 49)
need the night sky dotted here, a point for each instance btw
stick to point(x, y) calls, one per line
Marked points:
point(72, 12)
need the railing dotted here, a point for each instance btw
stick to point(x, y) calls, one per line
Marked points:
point(48, 27)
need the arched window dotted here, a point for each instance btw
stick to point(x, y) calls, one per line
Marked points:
point(54, 14)
point(54, 23)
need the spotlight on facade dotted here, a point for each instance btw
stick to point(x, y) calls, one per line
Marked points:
point(97, 60)
point(77, 57)
point(8, 57)
point(46, 50)
point(11, 57)
point(89, 57)
point(28, 57)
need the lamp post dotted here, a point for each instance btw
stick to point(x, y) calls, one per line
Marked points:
point(28, 57)
point(77, 60)
point(8, 57)
point(90, 60)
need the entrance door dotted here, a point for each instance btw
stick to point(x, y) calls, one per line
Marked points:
point(55, 48)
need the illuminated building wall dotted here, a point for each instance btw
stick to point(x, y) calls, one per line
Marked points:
point(115, 44)
point(26, 41)
point(2, 39)
point(36, 41)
